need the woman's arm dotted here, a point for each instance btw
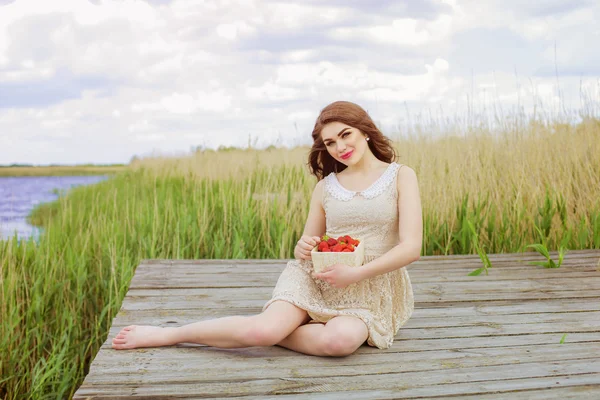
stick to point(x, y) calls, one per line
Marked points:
point(410, 228)
point(315, 222)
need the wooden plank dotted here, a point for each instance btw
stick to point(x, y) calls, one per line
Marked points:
point(207, 364)
point(504, 307)
point(442, 310)
point(149, 317)
point(211, 276)
point(402, 344)
point(422, 263)
point(269, 280)
point(587, 256)
point(431, 261)
point(203, 268)
point(579, 387)
point(467, 284)
point(587, 388)
point(226, 271)
point(189, 386)
point(439, 259)
point(478, 329)
point(258, 296)
point(442, 316)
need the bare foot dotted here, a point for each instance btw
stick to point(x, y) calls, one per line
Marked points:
point(134, 336)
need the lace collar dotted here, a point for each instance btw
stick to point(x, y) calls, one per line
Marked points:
point(337, 191)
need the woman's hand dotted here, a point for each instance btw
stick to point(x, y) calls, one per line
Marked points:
point(304, 246)
point(338, 275)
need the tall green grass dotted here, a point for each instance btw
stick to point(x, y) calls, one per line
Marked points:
point(59, 296)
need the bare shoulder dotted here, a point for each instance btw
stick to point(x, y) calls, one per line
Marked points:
point(318, 190)
point(406, 177)
point(319, 186)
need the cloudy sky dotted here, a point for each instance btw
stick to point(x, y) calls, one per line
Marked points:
point(101, 81)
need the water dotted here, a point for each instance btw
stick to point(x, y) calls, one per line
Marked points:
point(19, 195)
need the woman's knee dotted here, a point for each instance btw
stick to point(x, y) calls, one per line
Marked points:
point(343, 336)
point(340, 344)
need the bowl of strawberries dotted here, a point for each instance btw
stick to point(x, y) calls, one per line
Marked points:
point(341, 250)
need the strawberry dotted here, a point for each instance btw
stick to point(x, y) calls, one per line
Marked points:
point(337, 248)
point(331, 242)
point(323, 245)
point(346, 251)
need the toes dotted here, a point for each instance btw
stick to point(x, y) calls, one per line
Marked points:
point(119, 340)
point(120, 346)
point(125, 330)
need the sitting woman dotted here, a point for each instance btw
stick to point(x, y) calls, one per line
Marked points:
point(361, 192)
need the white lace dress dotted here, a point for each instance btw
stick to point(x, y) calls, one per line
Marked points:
point(384, 302)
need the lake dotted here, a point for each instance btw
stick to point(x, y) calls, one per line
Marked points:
point(19, 195)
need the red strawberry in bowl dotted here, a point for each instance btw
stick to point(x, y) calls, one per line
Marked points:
point(337, 250)
point(342, 243)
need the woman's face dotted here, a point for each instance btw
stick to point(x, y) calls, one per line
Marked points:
point(341, 139)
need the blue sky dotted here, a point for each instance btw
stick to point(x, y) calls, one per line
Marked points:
point(101, 81)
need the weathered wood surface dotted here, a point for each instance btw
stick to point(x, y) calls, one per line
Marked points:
point(486, 337)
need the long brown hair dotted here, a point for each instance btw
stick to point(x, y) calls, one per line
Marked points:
point(320, 161)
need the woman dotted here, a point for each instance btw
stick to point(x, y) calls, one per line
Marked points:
point(362, 192)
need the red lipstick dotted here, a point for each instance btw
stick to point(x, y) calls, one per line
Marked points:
point(347, 155)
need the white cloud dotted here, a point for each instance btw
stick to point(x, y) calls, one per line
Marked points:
point(103, 81)
point(303, 115)
point(153, 137)
point(294, 56)
point(232, 31)
point(26, 74)
point(186, 104)
point(141, 126)
point(289, 16)
point(271, 92)
point(403, 31)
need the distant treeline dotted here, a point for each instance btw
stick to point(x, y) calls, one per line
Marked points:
point(60, 170)
point(59, 165)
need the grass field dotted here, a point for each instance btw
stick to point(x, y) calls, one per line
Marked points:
point(480, 192)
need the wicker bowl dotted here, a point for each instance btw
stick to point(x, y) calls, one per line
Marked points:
point(322, 260)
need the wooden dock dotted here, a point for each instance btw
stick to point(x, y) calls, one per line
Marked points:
point(485, 337)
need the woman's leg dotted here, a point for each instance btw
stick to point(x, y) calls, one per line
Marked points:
point(265, 329)
point(340, 336)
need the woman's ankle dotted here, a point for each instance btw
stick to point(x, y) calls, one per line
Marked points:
point(172, 335)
